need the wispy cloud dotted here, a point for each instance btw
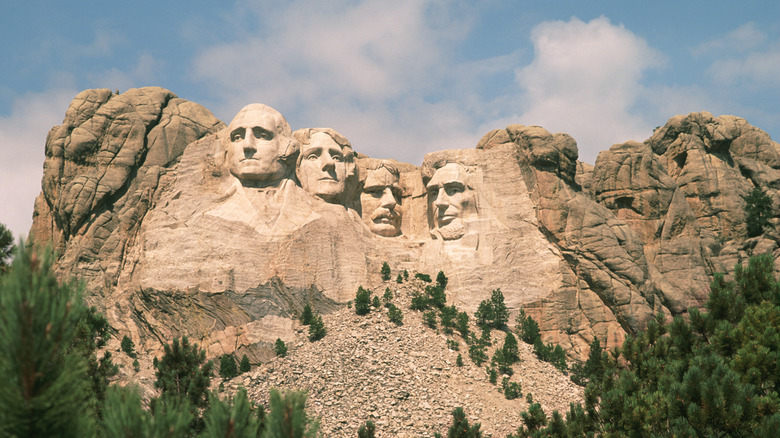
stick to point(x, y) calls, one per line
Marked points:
point(22, 136)
point(585, 80)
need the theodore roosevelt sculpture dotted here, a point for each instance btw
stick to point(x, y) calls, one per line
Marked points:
point(380, 199)
point(326, 164)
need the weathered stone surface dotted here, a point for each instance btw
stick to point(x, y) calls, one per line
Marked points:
point(186, 227)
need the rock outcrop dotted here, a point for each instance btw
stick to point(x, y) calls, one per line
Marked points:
point(182, 226)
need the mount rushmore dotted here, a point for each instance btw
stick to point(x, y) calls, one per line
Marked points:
point(181, 225)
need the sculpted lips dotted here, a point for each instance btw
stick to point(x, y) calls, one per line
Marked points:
point(384, 216)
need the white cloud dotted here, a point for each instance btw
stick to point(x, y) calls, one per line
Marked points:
point(756, 70)
point(585, 80)
point(22, 151)
point(143, 72)
point(746, 37)
point(372, 70)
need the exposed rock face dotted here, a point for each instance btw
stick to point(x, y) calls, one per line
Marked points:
point(186, 227)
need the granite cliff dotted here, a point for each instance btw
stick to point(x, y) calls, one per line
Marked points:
point(178, 226)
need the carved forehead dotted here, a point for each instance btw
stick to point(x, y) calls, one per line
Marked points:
point(381, 177)
point(304, 136)
point(264, 116)
point(448, 174)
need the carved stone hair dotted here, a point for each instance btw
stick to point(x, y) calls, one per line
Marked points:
point(303, 136)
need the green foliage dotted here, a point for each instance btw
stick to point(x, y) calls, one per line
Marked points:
point(484, 314)
point(459, 361)
point(395, 315)
point(362, 301)
point(460, 426)
point(462, 324)
point(441, 280)
point(510, 349)
point(136, 366)
point(492, 312)
point(92, 333)
point(375, 302)
point(306, 315)
point(477, 351)
point(436, 296)
point(716, 373)
point(429, 318)
point(387, 297)
point(244, 366)
point(399, 279)
point(527, 328)
point(385, 271)
point(758, 211)
point(406, 275)
point(553, 354)
point(423, 277)
point(448, 316)
point(593, 368)
point(128, 346)
point(124, 416)
point(511, 390)
point(317, 329)
point(419, 302)
point(232, 419)
point(227, 366)
point(492, 374)
point(288, 418)
point(44, 379)
point(6, 247)
point(366, 430)
point(183, 372)
point(453, 345)
point(280, 348)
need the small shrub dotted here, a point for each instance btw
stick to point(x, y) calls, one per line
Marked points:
point(758, 211)
point(462, 324)
point(459, 361)
point(385, 271)
point(492, 374)
point(244, 366)
point(527, 328)
point(128, 346)
point(436, 296)
point(460, 426)
point(366, 430)
point(550, 353)
point(399, 279)
point(136, 365)
point(306, 315)
point(484, 314)
point(280, 347)
point(375, 302)
point(406, 275)
point(429, 318)
point(511, 390)
point(485, 339)
point(316, 329)
point(227, 366)
point(424, 277)
point(349, 304)
point(453, 345)
point(441, 280)
point(362, 301)
point(419, 302)
point(448, 317)
point(387, 297)
point(394, 313)
point(502, 363)
point(477, 351)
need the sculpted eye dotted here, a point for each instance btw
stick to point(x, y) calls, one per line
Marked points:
point(237, 135)
point(454, 190)
point(312, 157)
point(337, 157)
point(262, 134)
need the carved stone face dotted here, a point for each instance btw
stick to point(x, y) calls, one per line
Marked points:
point(323, 168)
point(379, 202)
point(450, 200)
point(254, 145)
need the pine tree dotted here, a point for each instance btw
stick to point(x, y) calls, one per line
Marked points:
point(385, 271)
point(399, 279)
point(441, 280)
point(288, 417)
point(227, 366)
point(758, 211)
point(306, 315)
point(280, 348)
point(484, 314)
point(362, 301)
point(462, 324)
point(6, 247)
point(124, 415)
point(460, 426)
point(395, 315)
point(366, 430)
point(527, 328)
point(44, 382)
point(500, 311)
point(244, 366)
point(128, 346)
point(183, 372)
point(231, 419)
point(317, 329)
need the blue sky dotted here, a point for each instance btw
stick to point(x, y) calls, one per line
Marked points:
point(399, 79)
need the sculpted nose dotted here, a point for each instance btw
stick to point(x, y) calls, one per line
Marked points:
point(249, 145)
point(327, 162)
point(388, 200)
point(441, 198)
